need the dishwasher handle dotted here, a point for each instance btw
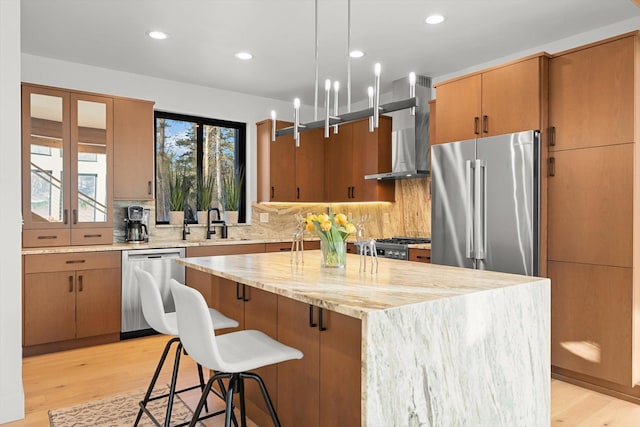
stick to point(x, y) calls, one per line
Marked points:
point(152, 256)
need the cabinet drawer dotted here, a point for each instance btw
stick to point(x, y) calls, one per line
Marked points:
point(46, 263)
point(91, 236)
point(44, 238)
point(420, 255)
point(286, 246)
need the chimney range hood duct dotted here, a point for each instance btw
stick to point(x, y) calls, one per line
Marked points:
point(410, 133)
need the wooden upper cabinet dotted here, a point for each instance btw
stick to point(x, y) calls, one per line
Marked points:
point(591, 96)
point(371, 155)
point(310, 166)
point(133, 149)
point(67, 167)
point(498, 101)
point(511, 98)
point(459, 109)
point(276, 164)
point(338, 167)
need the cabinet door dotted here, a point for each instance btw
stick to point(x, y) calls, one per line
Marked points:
point(298, 380)
point(91, 171)
point(340, 363)
point(310, 167)
point(591, 100)
point(45, 166)
point(590, 206)
point(229, 296)
point(261, 313)
point(459, 108)
point(282, 165)
point(511, 98)
point(592, 320)
point(98, 302)
point(49, 307)
point(371, 155)
point(133, 149)
point(201, 282)
point(339, 164)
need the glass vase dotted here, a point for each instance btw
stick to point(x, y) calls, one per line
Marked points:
point(334, 253)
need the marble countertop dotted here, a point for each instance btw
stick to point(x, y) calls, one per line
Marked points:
point(349, 291)
point(150, 245)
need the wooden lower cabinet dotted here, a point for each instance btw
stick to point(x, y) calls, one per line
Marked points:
point(420, 255)
point(70, 297)
point(286, 246)
point(322, 388)
point(592, 321)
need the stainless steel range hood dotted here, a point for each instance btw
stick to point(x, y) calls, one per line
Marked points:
point(410, 133)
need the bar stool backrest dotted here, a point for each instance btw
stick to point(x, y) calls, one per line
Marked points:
point(196, 328)
point(152, 306)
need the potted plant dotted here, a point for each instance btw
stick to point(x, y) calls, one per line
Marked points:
point(231, 189)
point(205, 196)
point(177, 196)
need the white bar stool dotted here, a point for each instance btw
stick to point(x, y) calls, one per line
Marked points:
point(230, 355)
point(166, 323)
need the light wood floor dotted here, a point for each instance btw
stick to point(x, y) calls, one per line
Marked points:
point(67, 378)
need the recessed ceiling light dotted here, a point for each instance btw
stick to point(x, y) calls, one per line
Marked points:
point(434, 19)
point(244, 55)
point(356, 54)
point(158, 35)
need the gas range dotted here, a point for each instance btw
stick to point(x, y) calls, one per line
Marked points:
point(396, 247)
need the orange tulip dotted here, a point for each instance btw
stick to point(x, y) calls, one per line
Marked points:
point(310, 226)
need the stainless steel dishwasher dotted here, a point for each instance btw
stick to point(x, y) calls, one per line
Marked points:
point(162, 266)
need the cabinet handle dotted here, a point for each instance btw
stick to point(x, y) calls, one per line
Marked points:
point(65, 216)
point(298, 193)
point(321, 320)
point(149, 187)
point(552, 136)
point(485, 124)
point(273, 192)
point(86, 236)
point(47, 237)
point(244, 293)
point(476, 125)
point(348, 192)
point(311, 323)
point(423, 257)
point(75, 216)
point(80, 283)
point(238, 296)
point(552, 166)
point(284, 248)
point(75, 261)
point(353, 192)
point(70, 283)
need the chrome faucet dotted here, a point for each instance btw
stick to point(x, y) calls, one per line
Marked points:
point(185, 230)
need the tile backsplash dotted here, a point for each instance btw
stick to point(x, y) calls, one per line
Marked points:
point(409, 215)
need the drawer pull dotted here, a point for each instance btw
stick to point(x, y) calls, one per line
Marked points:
point(321, 319)
point(70, 283)
point(423, 257)
point(87, 236)
point(75, 261)
point(80, 283)
point(284, 249)
point(149, 187)
point(47, 237)
point(312, 324)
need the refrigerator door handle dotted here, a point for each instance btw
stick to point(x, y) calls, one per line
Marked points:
point(482, 251)
point(468, 239)
point(478, 210)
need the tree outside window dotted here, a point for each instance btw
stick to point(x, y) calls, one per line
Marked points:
point(197, 150)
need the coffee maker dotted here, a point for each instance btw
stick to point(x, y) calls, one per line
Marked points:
point(136, 219)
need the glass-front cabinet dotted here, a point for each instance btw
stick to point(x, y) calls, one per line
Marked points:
point(67, 145)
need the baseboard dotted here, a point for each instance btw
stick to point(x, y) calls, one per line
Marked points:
point(600, 386)
point(12, 407)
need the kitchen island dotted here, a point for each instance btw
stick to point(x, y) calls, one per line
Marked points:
point(440, 346)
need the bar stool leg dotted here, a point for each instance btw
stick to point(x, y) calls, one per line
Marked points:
point(172, 390)
point(147, 395)
point(202, 385)
point(265, 394)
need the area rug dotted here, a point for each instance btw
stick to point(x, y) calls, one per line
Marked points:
point(119, 410)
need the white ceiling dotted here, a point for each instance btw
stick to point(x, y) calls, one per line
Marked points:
point(204, 35)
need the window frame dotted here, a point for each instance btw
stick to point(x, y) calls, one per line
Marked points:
point(240, 158)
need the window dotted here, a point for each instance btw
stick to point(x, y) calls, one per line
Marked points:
point(191, 150)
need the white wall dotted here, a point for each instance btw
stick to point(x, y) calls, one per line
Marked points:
point(11, 391)
point(169, 95)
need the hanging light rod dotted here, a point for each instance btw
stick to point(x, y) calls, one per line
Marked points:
point(350, 117)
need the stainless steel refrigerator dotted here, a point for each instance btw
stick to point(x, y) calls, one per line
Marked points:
point(485, 203)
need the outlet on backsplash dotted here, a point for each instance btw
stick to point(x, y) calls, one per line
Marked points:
point(264, 217)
